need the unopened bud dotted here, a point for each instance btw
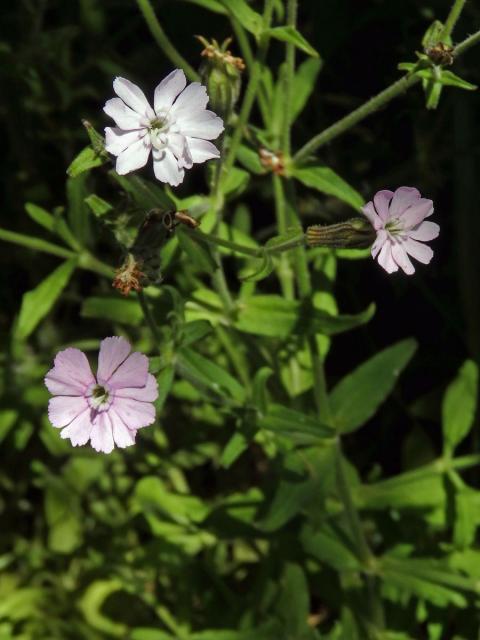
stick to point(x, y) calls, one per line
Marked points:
point(220, 73)
point(272, 161)
point(356, 233)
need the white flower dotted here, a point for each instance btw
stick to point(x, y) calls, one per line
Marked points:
point(176, 130)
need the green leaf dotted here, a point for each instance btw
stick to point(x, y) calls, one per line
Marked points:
point(210, 5)
point(87, 159)
point(64, 518)
point(54, 224)
point(194, 331)
point(165, 381)
point(236, 182)
point(205, 374)
point(145, 633)
point(459, 406)
point(259, 389)
point(303, 85)
point(98, 206)
point(250, 159)
point(327, 181)
point(36, 304)
point(300, 427)
point(77, 211)
point(233, 449)
point(8, 417)
point(467, 517)
point(152, 495)
point(329, 546)
point(92, 604)
point(196, 251)
point(276, 317)
point(450, 79)
point(356, 397)
point(113, 309)
point(293, 604)
point(248, 18)
point(291, 35)
point(417, 489)
point(428, 578)
point(145, 194)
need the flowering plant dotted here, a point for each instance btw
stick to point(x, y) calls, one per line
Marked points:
point(269, 444)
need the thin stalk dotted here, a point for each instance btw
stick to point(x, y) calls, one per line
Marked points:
point(452, 18)
point(292, 8)
point(346, 123)
point(250, 92)
point(364, 554)
point(213, 240)
point(285, 272)
point(467, 43)
point(163, 40)
point(150, 320)
point(383, 98)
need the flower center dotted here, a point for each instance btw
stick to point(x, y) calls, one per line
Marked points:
point(99, 397)
point(394, 226)
point(158, 129)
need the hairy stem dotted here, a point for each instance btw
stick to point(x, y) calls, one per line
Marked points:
point(163, 40)
point(250, 92)
point(452, 18)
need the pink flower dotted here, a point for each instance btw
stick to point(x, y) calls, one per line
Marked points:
point(398, 218)
point(106, 409)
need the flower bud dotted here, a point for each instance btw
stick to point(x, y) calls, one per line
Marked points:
point(356, 233)
point(220, 72)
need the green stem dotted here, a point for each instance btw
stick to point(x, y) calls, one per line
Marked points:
point(250, 92)
point(150, 320)
point(292, 8)
point(236, 356)
point(163, 41)
point(364, 554)
point(346, 123)
point(467, 43)
point(452, 18)
point(208, 238)
point(285, 272)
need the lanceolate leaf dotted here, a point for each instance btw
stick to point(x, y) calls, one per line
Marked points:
point(291, 35)
point(38, 302)
point(248, 18)
point(303, 85)
point(356, 398)
point(327, 181)
point(276, 317)
point(459, 406)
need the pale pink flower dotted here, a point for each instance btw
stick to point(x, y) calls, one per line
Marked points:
point(106, 409)
point(176, 130)
point(398, 218)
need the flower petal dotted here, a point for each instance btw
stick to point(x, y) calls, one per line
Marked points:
point(166, 169)
point(178, 144)
point(79, 429)
point(418, 250)
point(382, 201)
point(133, 97)
point(200, 124)
point(133, 157)
point(63, 409)
point(133, 413)
point(193, 98)
point(168, 90)
point(400, 256)
point(372, 216)
point(416, 213)
point(101, 437)
point(385, 258)
point(202, 150)
point(131, 373)
point(70, 375)
point(148, 393)
point(425, 231)
point(122, 435)
point(117, 140)
point(113, 351)
point(382, 237)
point(403, 198)
point(124, 117)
